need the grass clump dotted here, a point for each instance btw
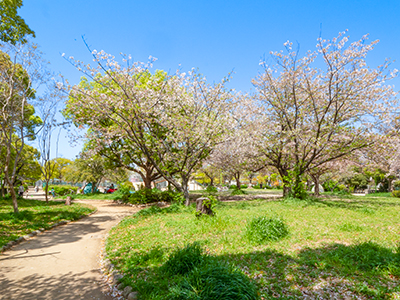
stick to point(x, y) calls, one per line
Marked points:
point(214, 280)
point(263, 229)
point(203, 277)
point(237, 191)
point(181, 261)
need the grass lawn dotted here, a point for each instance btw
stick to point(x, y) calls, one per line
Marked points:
point(33, 215)
point(348, 248)
point(95, 196)
point(248, 191)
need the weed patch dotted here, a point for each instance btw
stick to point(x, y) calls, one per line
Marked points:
point(266, 229)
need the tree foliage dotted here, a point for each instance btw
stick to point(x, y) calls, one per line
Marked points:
point(174, 121)
point(12, 27)
point(310, 115)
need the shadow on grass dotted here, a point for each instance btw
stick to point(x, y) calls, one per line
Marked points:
point(333, 271)
point(366, 206)
point(26, 203)
point(365, 269)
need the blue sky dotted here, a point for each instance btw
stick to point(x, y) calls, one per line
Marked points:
point(214, 36)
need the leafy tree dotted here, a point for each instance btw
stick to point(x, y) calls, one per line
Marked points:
point(20, 69)
point(27, 165)
point(60, 164)
point(173, 120)
point(87, 168)
point(308, 115)
point(12, 27)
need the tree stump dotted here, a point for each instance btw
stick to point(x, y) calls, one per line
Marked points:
point(202, 209)
point(68, 200)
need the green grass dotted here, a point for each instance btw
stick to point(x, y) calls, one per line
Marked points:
point(248, 191)
point(33, 215)
point(335, 246)
point(94, 196)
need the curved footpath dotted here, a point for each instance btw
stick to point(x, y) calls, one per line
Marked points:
point(62, 263)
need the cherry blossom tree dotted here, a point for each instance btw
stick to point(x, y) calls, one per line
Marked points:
point(173, 120)
point(320, 107)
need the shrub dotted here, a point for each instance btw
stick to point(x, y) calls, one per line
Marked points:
point(263, 229)
point(154, 209)
point(396, 185)
point(124, 191)
point(257, 187)
point(184, 260)
point(244, 186)
point(236, 191)
point(144, 196)
point(211, 189)
point(214, 280)
point(396, 193)
point(343, 192)
point(62, 190)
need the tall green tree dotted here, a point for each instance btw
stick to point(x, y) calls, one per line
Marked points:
point(21, 72)
point(13, 28)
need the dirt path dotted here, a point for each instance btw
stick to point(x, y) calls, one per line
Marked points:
point(62, 263)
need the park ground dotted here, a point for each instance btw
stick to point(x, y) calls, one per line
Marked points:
point(338, 247)
point(60, 263)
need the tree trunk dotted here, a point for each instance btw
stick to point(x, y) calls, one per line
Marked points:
point(147, 182)
point(185, 190)
point(390, 187)
point(2, 188)
point(46, 190)
point(316, 185)
point(12, 192)
point(286, 190)
point(237, 177)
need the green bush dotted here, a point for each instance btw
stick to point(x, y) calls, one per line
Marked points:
point(184, 260)
point(257, 187)
point(211, 189)
point(62, 190)
point(396, 193)
point(154, 209)
point(244, 186)
point(144, 196)
point(343, 192)
point(396, 185)
point(214, 280)
point(124, 191)
point(236, 191)
point(263, 229)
